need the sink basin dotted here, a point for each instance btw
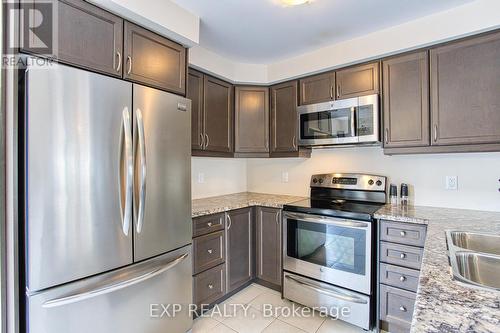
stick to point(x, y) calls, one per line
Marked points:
point(477, 242)
point(477, 268)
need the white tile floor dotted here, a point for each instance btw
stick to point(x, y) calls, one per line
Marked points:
point(254, 301)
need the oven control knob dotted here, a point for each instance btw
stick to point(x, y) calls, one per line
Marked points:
point(315, 180)
point(321, 180)
point(379, 183)
point(370, 182)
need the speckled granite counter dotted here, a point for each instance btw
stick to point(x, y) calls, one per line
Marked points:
point(442, 304)
point(224, 203)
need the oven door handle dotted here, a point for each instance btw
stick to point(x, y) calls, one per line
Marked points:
point(329, 292)
point(326, 220)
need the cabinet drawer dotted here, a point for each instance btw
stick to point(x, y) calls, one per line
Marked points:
point(395, 276)
point(210, 285)
point(209, 251)
point(402, 255)
point(206, 224)
point(396, 308)
point(403, 233)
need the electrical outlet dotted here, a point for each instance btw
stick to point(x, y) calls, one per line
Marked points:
point(452, 183)
point(284, 177)
point(201, 178)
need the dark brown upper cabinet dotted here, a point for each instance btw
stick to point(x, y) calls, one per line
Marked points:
point(465, 86)
point(251, 120)
point(218, 116)
point(195, 93)
point(357, 81)
point(154, 60)
point(317, 88)
point(406, 100)
point(211, 115)
point(88, 36)
point(268, 245)
point(284, 117)
point(240, 249)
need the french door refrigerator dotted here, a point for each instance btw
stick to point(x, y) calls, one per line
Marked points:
point(107, 204)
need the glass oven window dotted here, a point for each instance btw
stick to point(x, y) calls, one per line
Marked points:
point(327, 124)
point(340, 248)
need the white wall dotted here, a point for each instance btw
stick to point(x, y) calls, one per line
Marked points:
point(222, 176)
point(478, 174)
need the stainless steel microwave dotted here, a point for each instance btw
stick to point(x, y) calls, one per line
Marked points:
point(346, 121)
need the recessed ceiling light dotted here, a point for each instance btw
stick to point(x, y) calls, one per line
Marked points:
point(294, 2)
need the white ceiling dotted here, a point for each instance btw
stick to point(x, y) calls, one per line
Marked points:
point(263, 32)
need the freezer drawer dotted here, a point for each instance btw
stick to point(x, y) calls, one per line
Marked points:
point(317, 294)
point(78, 128)
point(120, 301)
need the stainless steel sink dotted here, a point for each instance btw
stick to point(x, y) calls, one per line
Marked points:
point(477, 242)
point(478, 269)
point(475, 258)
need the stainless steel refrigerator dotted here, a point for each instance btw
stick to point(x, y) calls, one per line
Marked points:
point(107, 204)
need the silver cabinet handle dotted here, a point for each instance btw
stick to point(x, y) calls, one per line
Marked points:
point(210, 286)
point(207, 141)
point(338, 90)
point(386, 136)
point(129, 61)
point(402, 278)
point(119, 66)
point(294, 141)
point(329, 292)
point(402, 308)
point(435, 132)
point(143, 167)
point(202, 141)
point(402, 255)
point(113, 286)
point(403, 233)
point(210, 251)
point(326, 220)
point(129, 173)
point(277, 217)
point(228, 222)
point(331, 92)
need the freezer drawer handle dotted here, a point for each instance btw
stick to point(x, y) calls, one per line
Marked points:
point(73, 298)
point(143, 167)
point(129, 178)
point(329, 292)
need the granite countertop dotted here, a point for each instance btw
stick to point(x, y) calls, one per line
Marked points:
point(443, 304)
point(228, 202)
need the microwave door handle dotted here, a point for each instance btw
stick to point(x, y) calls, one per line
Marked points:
point(326, 220)
point(329, 292)
point(354, 130)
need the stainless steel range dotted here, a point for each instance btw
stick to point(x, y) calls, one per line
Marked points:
point(329, 245)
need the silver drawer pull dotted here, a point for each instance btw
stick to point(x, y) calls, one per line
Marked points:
point(209, 224)
point(210, 286)
point(402, 255)
point(403, 233)
point(402, 309)
point(210, 251)
point(402, 278)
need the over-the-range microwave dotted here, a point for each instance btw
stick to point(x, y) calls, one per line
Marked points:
point(347, 121)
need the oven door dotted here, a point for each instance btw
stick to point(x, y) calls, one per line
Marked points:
point(328, 123)
point(337, 251)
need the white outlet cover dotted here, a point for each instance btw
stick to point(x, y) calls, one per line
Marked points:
point(201, 178)
point(452, 183)
point(284, 177)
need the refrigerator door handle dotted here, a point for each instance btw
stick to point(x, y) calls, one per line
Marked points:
point(143, 166)
point(129, 174)
point(114, 286)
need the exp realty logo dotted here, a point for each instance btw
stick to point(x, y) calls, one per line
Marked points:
point(37, 26)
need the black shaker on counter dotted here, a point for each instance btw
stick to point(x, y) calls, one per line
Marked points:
point(404, 194)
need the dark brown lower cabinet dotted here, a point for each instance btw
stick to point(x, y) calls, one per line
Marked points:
point(240, 249)
point(268, 245)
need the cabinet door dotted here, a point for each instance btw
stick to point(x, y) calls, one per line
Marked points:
point(252, 120)
point(239, 248)
point(406, 101)
point(88, 36)
point(218, 107)
point(268, 245)
point(465, 86)
point(284, 117)
point(154, 60)
point(195, 94)
point(317, 88)
point(357, 81)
